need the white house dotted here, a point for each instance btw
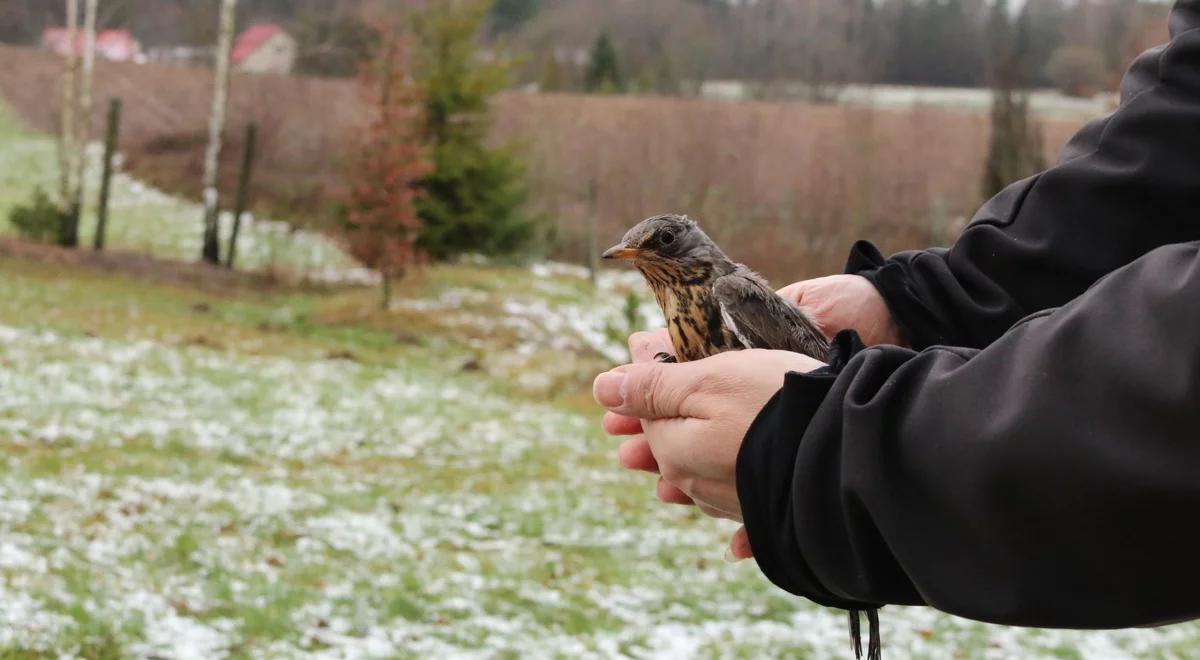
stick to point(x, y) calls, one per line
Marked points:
point(264, 48)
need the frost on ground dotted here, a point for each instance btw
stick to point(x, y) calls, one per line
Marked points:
point(184, 502)
point(145, 219)
point(539, 329)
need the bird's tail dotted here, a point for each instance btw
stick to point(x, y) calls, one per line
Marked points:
point(874, 647)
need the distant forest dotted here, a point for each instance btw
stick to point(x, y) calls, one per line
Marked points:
point(669, 46)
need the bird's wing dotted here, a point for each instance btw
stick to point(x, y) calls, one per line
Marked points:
point(762, 319)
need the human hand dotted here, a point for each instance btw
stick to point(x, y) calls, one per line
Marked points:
point(694, 416)
point(847, 302)
point(634, 453)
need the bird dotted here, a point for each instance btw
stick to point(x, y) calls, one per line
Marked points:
point(713, 305)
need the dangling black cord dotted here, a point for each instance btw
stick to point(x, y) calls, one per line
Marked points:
point(856, 633)
point(874, 645)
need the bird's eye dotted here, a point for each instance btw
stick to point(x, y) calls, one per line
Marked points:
point(667, 238)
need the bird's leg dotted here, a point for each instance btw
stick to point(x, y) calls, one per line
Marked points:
point(665, 358)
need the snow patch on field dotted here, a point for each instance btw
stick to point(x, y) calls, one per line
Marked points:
point(149, 220)
point(187, 502)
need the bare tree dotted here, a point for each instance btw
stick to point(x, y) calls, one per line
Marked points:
point(212, 247)
point(66, 141)
point(83, 123)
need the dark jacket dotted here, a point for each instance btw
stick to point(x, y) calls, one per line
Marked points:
point(1037, 462)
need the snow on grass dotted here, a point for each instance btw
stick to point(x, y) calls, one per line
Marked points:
point(539, 328)
point(184, 502)
point(178, 501)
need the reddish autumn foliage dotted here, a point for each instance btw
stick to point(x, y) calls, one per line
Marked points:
point(381, 225)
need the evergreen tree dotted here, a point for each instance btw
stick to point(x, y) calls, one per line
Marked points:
point(950, 38)
point(604, 70)
point(380, 226)
point(1116, 33)
point(472, 201)
point(1041, 24)
point(906, 42)
point(507, 15)
point(665, 80)
point(1015, 150)
point(1004, 61)
point(867, 37)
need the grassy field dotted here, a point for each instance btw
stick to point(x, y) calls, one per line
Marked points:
point(265, 471)
point(253, 474)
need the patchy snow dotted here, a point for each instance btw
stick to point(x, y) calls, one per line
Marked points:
point(146, 219)
point(344, 510)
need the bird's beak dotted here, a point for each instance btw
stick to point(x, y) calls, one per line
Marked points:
point(621, 252)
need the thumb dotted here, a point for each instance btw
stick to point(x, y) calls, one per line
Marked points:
point(648, 390)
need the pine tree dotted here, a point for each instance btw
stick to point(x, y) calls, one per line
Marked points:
point(472, 201)
point(510, 14)
point(665, 80)
point(905, 44)
point(1015, 150)
point(604, 70)
point(381, 226)
point(1041, 23)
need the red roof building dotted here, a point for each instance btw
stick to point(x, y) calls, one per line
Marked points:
point(264, 48)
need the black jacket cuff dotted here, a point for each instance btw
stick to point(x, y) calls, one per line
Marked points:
point(765, 475)
point(920, 325)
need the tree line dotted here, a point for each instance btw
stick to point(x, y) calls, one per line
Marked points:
point(423, 182)
point(670, 46)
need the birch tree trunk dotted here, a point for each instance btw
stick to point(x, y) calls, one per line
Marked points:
point(212, 248)
point(82, 115)
point(66, 139)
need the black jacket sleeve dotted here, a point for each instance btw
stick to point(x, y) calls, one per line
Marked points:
point(1051, 479)
point(1124, 185)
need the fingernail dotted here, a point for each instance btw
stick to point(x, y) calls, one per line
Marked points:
point(609, 389)
point(732, 558)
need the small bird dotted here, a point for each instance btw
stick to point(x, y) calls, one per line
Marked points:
point(712, 305)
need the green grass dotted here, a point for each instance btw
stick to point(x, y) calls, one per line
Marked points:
point(248, 496)
point(285, 473)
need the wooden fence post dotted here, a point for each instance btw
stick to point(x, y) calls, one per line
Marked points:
point(593, 241)
point(243, 191)
point(110, 150)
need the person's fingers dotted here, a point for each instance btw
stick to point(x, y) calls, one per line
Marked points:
point(714, 512)
point(650, 390)
point(794, 292)
point(672, 495)
point(643, 346)
point(634, 454)
point(615, 424)
point(739, 546)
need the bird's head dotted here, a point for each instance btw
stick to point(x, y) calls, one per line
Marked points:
point(666, 240)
